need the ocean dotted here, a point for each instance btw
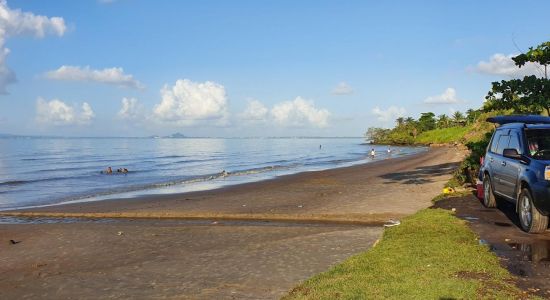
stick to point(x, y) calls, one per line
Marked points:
point(48, 171)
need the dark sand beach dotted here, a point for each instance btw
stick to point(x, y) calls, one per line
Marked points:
point(196, 245)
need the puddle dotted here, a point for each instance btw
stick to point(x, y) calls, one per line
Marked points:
point(536, 252)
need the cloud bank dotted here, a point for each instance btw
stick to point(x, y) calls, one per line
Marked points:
point(447, 97)
point(390, 114)
point(14, 22)
point(113, 76)
point(130, 109)
point(503, 65)
point(187, 102)
point(57, 112)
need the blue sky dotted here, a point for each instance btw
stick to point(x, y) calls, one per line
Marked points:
point(252, 68)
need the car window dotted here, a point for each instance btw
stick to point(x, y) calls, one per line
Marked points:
point(538, 141)
point(502, 143)
point(514, 142)
point(494, 143)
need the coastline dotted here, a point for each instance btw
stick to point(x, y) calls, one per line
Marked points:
point(333, 194)
point(291, 232)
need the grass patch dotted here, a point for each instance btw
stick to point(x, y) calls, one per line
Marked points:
point(431, 255)
point(442, 135)
point(452, 195)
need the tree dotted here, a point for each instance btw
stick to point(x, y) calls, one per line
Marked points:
point(400, 122)
point(443, 121)
point(458, 118)
point(472, 115)
point(528, 95)
point(426, 121)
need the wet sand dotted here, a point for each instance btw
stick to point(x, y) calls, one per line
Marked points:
point(259, 259)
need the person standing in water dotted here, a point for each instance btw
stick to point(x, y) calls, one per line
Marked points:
point(372, 153)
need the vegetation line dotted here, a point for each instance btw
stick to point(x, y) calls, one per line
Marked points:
point(431, 255)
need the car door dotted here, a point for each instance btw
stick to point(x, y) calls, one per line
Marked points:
point(499, 163)
point(489, 161)
point(510, 168)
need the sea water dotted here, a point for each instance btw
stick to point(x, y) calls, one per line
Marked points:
point(49, 171)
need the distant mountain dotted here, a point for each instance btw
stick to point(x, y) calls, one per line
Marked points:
point(176, 135)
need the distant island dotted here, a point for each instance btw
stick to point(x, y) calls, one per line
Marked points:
point(176, 135)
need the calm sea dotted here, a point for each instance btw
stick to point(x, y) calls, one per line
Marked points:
point(46, 171)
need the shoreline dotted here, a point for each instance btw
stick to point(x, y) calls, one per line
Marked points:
point(138, 257)
point(209, 183)
point(267, 199)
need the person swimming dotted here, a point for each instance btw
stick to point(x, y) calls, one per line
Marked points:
point(107, 171)
point(122, 170)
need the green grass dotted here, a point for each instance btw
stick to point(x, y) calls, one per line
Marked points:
point(431, 255)
point(443, 135)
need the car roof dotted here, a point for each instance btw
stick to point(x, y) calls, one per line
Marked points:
point(519, 120)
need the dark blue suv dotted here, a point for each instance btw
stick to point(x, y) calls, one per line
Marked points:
point(516, 167)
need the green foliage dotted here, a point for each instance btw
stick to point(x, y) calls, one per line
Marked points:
point(426, 121)
point(431, 255)
point(528, 95)
point(442, 136)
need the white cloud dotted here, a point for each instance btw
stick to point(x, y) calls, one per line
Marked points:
point(131, 109)
point(57, 112)
point(298, 113)
point(390, 114)
point(254, 111)
point(188, 101)
point(14, 22)
point(113, 76)
point(448, 97)
point(342, 89)
point(500, 64)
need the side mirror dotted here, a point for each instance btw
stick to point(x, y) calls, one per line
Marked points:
point(511, 153)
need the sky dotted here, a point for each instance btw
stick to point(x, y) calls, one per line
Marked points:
point(252, 68)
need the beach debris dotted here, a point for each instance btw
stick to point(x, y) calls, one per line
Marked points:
point(392, 222)
point(453, 209)
point(300, 206)
point(507, 240)
point(13, 242)
point(120, 233)
point(448, 190)
point(244, 205)
point(214, 223)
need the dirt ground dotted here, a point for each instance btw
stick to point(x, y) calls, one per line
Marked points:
point(525, 255)
point(215, 258)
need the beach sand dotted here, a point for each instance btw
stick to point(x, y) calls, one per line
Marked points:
point(323, 216)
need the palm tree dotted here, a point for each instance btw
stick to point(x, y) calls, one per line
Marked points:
point(443, 121)
point(458, 118)
point(400, 122)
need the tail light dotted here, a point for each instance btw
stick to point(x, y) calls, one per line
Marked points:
point(547, 173)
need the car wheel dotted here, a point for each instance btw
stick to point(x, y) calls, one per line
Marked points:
point(489, 199)
point(530, 219)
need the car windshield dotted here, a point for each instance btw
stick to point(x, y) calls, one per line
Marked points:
point(538, 141)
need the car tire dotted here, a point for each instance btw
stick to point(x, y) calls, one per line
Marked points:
point(489, 199)
point(530, 219)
